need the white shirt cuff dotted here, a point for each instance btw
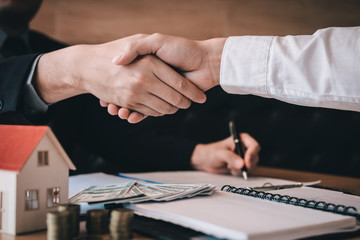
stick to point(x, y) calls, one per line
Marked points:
point(245, 58)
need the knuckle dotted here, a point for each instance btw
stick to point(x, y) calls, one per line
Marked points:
point(181, 84)
point(138, 81)
point(174, 110)
point(157, 114)
point(179, 101)
point(140, 35)
point(128, 99)
point(156, 35)
point(129, 46)
point(257, 148)
point(168, 109)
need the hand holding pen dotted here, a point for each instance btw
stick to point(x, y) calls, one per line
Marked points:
point(239, 150)
point(220, 157)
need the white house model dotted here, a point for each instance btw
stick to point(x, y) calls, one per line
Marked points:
point(34, 177)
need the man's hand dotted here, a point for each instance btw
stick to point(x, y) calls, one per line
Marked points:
point(219, 157)
point(198, 61)
point(147, 85)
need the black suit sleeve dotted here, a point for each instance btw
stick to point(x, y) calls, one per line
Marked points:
point(14, 73)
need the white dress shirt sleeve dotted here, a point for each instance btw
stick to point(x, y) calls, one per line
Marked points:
point(321, 70)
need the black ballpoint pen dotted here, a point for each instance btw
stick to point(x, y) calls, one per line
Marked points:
point(238, 147)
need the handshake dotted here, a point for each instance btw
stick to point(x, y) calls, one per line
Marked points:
point(152, 75)
point(134, 77)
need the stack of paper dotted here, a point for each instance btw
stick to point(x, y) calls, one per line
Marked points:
point(133, 191)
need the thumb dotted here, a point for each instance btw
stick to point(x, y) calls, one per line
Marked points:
point(136, 48)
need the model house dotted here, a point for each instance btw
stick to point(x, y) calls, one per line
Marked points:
point(34, 177)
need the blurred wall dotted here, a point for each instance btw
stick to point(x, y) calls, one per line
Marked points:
point(94, 21)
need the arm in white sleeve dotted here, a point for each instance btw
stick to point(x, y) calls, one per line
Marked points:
point(321, 70)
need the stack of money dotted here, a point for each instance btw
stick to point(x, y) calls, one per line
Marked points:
point(97, 221)
point(59, 225)
point(133, 192)
point(74, 209)
point(120, 224)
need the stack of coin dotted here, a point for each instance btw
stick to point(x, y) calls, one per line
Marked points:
point(59, 225)
point(74, 209)
point(97, 221)
point(120, 224)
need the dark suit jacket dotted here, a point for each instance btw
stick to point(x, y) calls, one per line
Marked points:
point(14, 72)
point(295, 137)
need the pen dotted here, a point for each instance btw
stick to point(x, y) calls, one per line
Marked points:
point(238, 147)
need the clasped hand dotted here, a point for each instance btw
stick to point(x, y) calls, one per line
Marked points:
point(196, 61)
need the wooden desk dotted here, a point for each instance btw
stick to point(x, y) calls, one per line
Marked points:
point(346, 184)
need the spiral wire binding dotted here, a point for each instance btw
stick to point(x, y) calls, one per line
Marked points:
point(318, 205)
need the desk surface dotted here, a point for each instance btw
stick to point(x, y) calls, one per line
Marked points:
point(347, 184)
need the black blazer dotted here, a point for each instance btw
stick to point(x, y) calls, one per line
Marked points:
point(14, 72)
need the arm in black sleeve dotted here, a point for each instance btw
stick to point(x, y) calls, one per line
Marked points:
point(18, 99)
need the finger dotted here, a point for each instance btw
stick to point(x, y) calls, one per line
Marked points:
point(154, 108)
point(103, 104)
point(234, 161)
point(249, 141)
point(168, 94)
point(155, 104)
point(136, 117)
point(139, 47)
point(124, 113)
point(151, 90)
point(180, 84)
point(150, 45)
point(251, 160)
point(252, 150)
point(112, 109)
point(132, 117)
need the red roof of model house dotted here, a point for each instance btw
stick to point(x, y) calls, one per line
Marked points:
point(18, 142)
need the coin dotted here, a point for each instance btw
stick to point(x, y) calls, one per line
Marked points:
point(74, 209)
point(120, 224)
point(59, 225)
point(97, 221)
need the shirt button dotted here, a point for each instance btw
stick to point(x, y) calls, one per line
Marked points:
point(1, 105)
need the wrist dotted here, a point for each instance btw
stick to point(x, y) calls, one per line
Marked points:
point(195, 160)
point(214, 48)
point(58, 75)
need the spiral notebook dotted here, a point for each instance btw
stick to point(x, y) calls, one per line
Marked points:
point(226, 215)
point(296, 201)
